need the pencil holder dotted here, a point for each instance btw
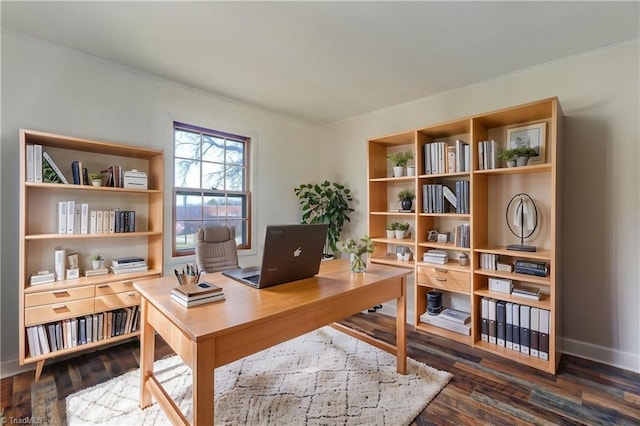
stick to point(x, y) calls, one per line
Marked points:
point(190, 279)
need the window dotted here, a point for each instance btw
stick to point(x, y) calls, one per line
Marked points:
point(210, 185)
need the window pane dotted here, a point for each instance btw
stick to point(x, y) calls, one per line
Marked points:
point(187, 144)
point(212, 148)
point(188, 207)
point(212, 176)
point(235, 152)
point(235, 178)
point(214, 208)
point(241, 231)
point(187, 173)
point(186, 234)
point(236, 206)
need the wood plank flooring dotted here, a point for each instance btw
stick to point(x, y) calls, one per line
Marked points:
point(485, 389)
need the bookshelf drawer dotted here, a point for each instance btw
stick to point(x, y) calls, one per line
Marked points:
point(58, 296)
point(117, 300)
point(115, 287)
point(444, 278)
point(57, 311)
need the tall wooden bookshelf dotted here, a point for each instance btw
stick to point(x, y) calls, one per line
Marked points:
point(464, 286)
point(55, 302)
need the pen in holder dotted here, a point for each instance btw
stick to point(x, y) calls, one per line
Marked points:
point(191, 276)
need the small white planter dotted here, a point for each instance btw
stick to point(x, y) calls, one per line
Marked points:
point(522, 161)
point(398, 171)
point(411, 170)
point(391, 233)
point(399, 233)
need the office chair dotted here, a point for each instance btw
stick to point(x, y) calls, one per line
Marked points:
point(216, 248)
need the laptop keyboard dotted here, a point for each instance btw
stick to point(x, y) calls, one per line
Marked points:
point(253, 278)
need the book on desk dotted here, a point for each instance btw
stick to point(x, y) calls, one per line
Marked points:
point(197, 294)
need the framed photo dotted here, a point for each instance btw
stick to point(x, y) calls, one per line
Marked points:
point(533, 136)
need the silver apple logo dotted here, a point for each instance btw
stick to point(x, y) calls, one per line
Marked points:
point(297, 252)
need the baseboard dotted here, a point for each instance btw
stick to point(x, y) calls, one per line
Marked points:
point(625, 360)
point(13, 367)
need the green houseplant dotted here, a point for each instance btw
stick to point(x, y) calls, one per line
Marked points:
point(399, 161)
point(401, 230)
point(405, 198)
point(520, 155)
point(327, 202)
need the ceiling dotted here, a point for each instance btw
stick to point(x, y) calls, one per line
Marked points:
point(323, 62)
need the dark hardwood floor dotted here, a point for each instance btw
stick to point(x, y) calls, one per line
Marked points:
point(485, 389)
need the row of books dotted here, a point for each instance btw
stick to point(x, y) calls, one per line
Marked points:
point(128, 265)
point(197, 293)
point(68, 333)
point(40, 166)
point(439, 157)
point(439, 198)
point(462, 235)
point(488, 155)
point(449, 319)
point(518, 327)
point(439, 257)
point(76, 218)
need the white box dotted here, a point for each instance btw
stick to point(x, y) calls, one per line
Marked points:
point(500, 285)
point(135, 179)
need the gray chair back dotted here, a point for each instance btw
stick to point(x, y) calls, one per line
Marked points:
point(216, 248)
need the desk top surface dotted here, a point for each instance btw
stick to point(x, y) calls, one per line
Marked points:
point(245, 305)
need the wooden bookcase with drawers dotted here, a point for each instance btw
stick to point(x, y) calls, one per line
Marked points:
point(464, 286)
point(55, 302)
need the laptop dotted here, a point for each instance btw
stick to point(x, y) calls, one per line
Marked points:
point(291, 252)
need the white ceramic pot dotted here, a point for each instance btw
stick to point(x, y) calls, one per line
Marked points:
point(399, 233)
point(411, 170)
point(398, 171)
point(522, 161)
point(391, 233)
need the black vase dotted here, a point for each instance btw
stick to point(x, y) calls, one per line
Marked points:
point(406, 204)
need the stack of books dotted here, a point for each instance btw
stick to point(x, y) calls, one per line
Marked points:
point(450, 319)
point(127, 265)
point(197, 294)
point(528, 292)
point(436, 256)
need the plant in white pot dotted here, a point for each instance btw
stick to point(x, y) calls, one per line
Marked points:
point(97, 261)
point(523, 154)
point(391, 229)
point(399, 161)
point(401, 230)
point(509, 157)
point(96, 179)
point(328, 203)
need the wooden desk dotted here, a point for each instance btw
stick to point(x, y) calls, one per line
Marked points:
point(250, 320)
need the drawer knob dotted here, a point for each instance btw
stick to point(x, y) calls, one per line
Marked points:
point(131, 294)
point(103, 286)
point(442, 270)
point(440, 279)
point(128, 283)
point(59, 308)
point(60, 293)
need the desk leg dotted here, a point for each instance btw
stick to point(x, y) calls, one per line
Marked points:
point(401, 328)
point(203, 381)
point(147, 351)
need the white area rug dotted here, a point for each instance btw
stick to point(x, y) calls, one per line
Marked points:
point(322, 378)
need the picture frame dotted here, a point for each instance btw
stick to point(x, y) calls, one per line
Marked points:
point(533, 136)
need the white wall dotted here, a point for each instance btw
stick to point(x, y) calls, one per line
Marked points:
point(52, 89)
point(600, 95)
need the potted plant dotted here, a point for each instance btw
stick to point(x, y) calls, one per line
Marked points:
point(405, 198)
point(328, 203)
point(509, 157)
point(399, 161)
point(523, 154)
point(96, 179)
point(401, 230)
point(97, 261)
point(391, 229)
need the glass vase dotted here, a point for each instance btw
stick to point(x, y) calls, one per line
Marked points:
point(359, 262)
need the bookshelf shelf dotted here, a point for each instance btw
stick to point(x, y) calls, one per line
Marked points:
point(488, 194)
point(44, 305)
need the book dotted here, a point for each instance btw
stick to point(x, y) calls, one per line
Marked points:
point(528, 292)
point(492, 322)
point(75, 172)
point(116, 270)
point(525, 312)
point(95, 272)
point(84, 218)
point(533, 331)
point(196, 289)
point(457, 316)
point(128, 265)
point(516, 327)
point(484, 319)
point(188, 304)
point(543, 335)
point(37, 163)
point(182, 296)
point(42, 277)
point(509, 330)
point(501, 322)
point(47, 158)
point(444, 322)
point(29, 166)
point(129, 259)
point(48, 174)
